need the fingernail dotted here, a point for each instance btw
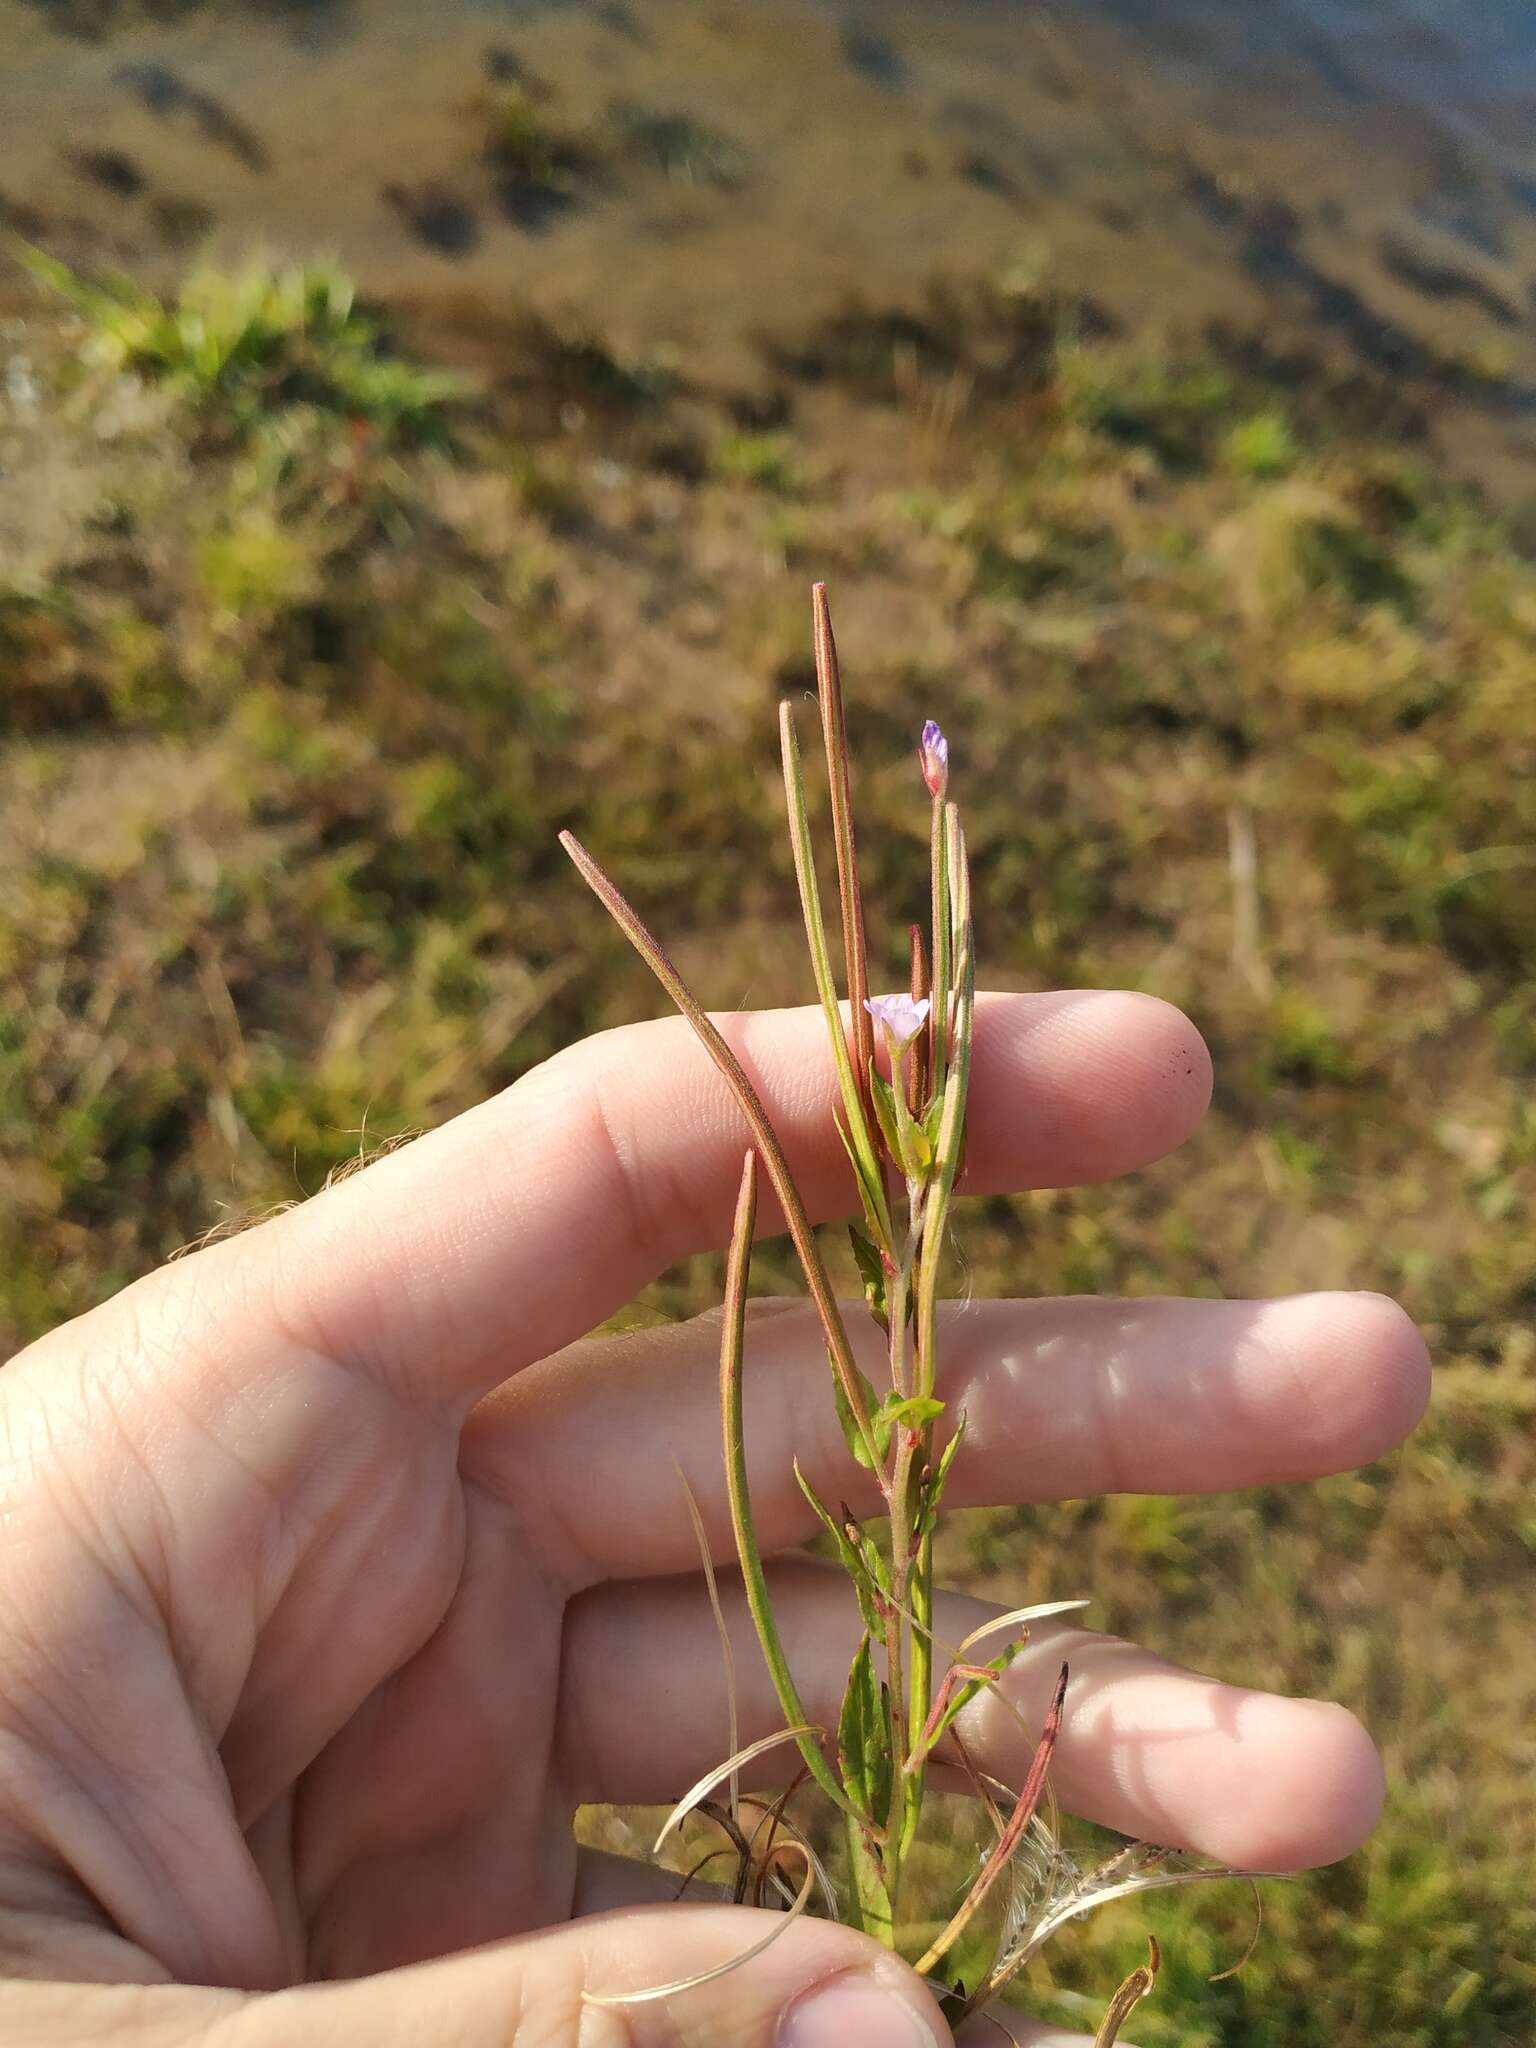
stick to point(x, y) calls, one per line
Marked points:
point(854, 2012)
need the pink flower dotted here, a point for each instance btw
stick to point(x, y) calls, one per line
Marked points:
point(933, 752)
point(899, 1018)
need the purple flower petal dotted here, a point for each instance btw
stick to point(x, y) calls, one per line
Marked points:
point(933, 753)
point(899, 1018)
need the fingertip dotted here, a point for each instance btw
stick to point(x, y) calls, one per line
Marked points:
point(882, 2006)
point(1347, 1376)
point(1392, 1368)
point(1310, 1788)
point(1083, 1084)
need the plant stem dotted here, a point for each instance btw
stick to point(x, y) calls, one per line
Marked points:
point(952, 1122)
point(732, 1350)
point(939, 947)
point(955, 950)
point(919, 1687)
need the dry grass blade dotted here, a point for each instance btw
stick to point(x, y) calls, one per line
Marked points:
point(693, 1874)
point(777, 1822)
point(1235, 1969)
point(616, 2000)
point(1129, 1996)
point(701, 1791)
point(1021, 1617)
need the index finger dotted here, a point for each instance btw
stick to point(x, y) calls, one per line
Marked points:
point(522, 1224)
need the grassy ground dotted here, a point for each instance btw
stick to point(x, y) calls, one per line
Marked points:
point(304, 659)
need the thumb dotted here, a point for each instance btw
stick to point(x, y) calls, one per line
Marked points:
point(817, 1986)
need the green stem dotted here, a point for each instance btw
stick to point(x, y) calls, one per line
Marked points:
point(919, 1683)
point(907, 1654)
point(732, 1349)
point(897, 1634)
point(952, 1063)
point(798, 1223)
point(939, 948)
point(952, 1121)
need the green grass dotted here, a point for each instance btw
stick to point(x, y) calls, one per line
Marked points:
point(247, 346)
point(290, 715)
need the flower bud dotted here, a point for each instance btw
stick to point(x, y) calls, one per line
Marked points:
point(933, 753)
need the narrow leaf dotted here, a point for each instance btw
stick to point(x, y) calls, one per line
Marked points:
point(871, 1194)
point(864, 1739)
point(938, 1475)
point(884, 1100)
point(854, 1106)
point(853, 1563)
point(869, 1551)
point(871, 1272)
point(834, 730)
point(807, 1250)
point(867, 1444)
point(909, 1411)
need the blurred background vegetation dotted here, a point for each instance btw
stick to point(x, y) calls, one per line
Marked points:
point(1209, 536)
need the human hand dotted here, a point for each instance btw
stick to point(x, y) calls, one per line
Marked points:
point(339, 1567)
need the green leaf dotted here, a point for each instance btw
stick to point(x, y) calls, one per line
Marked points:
point(864, 1751)
point(870, 1194)
point(912, 1411)
point(938, 1475)
point(906, 1141)
point(852, 1434)
point(869, 1551)
point(872, 1273)
point(885, 1110)
point(865, 1582)
point(919, 1150)
point(932, 1121)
